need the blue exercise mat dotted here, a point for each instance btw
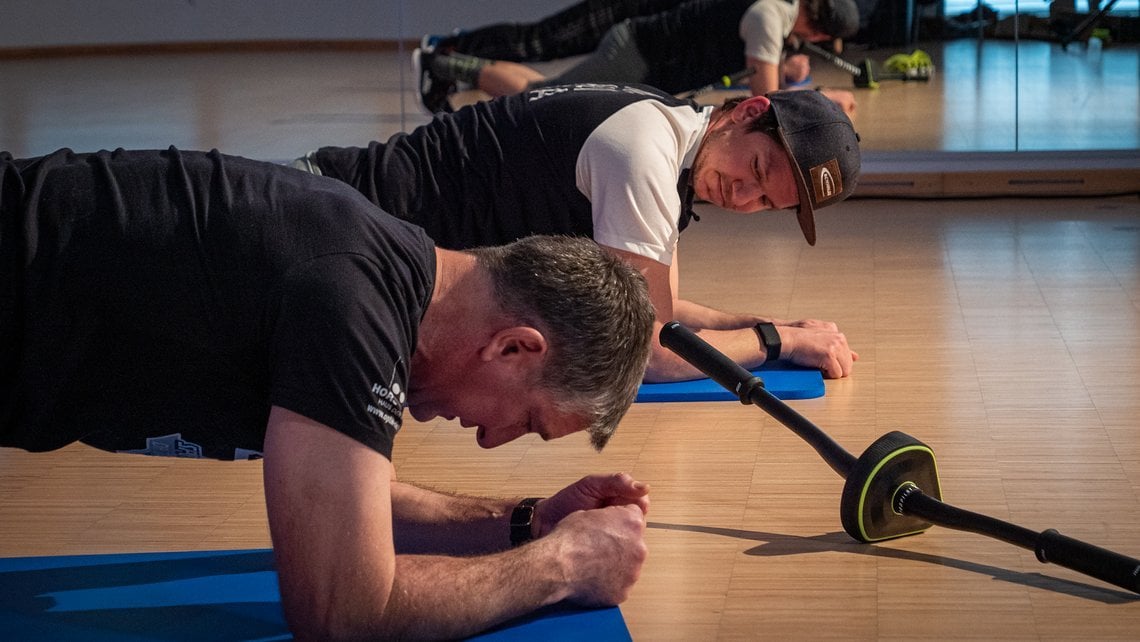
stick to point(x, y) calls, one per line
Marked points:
point(209, 595)
point(784, 381)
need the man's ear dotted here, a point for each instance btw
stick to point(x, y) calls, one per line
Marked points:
point(515, 344)
point(750, 109)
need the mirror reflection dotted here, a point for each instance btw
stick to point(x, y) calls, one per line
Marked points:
point(1003, 76)
point(1029, 76)
point(926, 75)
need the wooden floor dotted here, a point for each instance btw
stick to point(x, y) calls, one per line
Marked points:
point(1003, 333)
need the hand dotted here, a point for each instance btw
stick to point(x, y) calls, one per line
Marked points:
point(591, 492)
point(844, 98)
point(601, 551)
point(818, 348)
point(796, 69)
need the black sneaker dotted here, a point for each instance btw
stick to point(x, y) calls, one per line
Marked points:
point(430, 42)
point(434, 91)
point(440, 44)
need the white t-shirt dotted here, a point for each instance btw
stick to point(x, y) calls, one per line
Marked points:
point(765, 27)
point(629, 171)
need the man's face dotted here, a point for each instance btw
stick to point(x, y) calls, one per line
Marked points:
point(811, 34)
point(743, 171)
point(499, 413)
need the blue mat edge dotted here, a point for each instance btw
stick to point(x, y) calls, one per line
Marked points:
point(560, 621)
point(784, 381)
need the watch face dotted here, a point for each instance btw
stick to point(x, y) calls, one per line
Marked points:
point(770, 337)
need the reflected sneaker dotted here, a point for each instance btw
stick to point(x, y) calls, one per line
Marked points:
point(439, 43)
point(434, 91)
point(307, 164)
point(430, 42)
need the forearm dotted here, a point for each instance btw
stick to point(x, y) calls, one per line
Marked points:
point(700, 317)
point(431, 522)
point(741, 346)
point(333, 505)
point(437, 597)
point(765, 77)
point(592, 557)
point(809, 343)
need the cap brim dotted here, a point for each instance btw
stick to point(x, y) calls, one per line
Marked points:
point(804, 213)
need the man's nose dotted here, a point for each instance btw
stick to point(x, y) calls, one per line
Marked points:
point(744, 193)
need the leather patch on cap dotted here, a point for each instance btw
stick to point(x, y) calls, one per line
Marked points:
point(826, 181)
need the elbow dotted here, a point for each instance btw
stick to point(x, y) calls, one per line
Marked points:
point(314, 623)
point(308, 624)
point(665, 366)
point(335, 615)
point(338, 625)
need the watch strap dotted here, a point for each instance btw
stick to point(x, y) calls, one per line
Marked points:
point(769, 338)
point(521, 519)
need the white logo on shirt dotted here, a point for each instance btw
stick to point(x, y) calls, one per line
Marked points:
point(390, 400)
point(543, 92)
point(169, 446)
point(392, 396)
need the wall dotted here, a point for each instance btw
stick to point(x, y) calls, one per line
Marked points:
point(51, 23)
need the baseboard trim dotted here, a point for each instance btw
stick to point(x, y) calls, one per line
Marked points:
point(978, 174)
point(220, 46)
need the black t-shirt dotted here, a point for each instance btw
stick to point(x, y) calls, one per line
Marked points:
point(692, 44)
point(166, 299)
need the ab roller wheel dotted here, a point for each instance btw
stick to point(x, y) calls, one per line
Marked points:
point(892, 489)
point(895, 463)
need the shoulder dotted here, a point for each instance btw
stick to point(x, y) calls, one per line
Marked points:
point(770, 10)
point(585, 103)
point(650, 129)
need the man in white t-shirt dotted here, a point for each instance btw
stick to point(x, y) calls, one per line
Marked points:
point(622, 164)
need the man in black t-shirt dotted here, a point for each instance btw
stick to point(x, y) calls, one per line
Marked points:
point(622, 165)
point(200, 305)
point(674, 46)
point(572, 31)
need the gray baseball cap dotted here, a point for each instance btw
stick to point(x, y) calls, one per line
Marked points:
point(838, 18)
point(824, 148)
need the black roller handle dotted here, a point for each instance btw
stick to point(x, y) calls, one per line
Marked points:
point(1049, 546)
point(724, 82)
point(1094, 561)
point(750, 389)
point(850, 68)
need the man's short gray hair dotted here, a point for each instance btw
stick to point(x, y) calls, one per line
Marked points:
point(836, 18)
point(595, 313)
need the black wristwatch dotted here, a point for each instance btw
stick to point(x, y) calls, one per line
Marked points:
point(521, 518)
point(769, 338)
